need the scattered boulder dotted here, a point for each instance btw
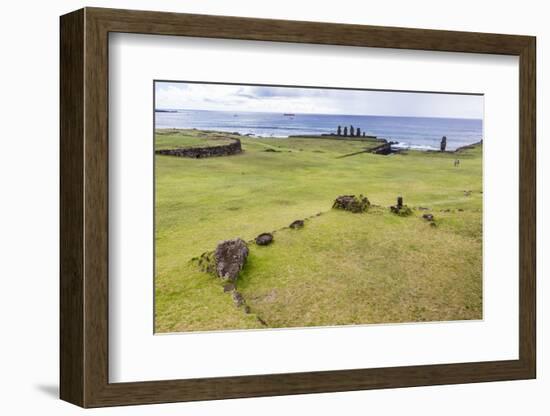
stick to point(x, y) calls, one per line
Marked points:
point(264, 239)
point(351, 203)
point(428, 217)
point(230, 257)
point(297, 224)
point(404, 211)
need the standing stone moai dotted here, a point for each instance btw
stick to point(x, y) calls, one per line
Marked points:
point(345, 131)
point(443, 143)
point(358, 131)
point(399, 202)
point(339, 132)
point(351, 131)
point(364, 134)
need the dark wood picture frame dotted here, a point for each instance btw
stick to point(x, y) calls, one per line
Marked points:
point(84, 207)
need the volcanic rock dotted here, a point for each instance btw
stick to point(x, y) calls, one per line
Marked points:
point(230, 257)
point(401, 209)
point(264, 239)
point(297, 224)
point(352, 203)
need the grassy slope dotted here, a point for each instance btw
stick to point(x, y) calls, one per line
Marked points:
point(342, 267)
point(173, 138)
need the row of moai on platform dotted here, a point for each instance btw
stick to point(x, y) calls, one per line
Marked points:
point(353, 132)
point(357, 133)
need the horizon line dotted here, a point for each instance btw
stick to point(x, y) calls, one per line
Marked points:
point(324, 114)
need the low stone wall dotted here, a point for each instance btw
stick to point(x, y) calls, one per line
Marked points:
point(383, 149)
point(201, 152)
point(468, 146)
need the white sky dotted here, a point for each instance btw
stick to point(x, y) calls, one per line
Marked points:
point(179, 95)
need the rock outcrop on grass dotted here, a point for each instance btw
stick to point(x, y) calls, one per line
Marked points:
point(430, 219)
point(264, 239)
point(401, 209)
point(297, 224)
point(352, 203)
point(230, 257)
point(226, 262)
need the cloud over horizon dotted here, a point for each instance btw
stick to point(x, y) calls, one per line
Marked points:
point(224, 97)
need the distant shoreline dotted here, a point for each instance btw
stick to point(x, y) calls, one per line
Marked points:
point(420, 133)
point(395, 146)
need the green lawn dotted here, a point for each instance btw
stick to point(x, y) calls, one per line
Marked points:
point(341, 268)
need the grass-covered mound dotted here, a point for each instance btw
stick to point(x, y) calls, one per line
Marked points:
point(174, 138)
point(340, 268)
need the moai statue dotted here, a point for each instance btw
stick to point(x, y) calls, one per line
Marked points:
point(399, 202)
point(443, 143)
point(364, 134)
point(345, 131)
point(358, 131)
point(339, 132)
point(351, 131)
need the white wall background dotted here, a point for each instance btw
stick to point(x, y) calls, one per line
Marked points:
point(29, 206)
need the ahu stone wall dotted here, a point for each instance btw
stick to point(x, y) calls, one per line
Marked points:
point(201, 152)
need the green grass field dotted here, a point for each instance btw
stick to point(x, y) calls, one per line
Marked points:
point(341, 268)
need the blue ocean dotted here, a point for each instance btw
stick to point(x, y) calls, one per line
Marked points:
point(421, 133)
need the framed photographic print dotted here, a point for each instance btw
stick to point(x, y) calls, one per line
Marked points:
point(255, 207)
